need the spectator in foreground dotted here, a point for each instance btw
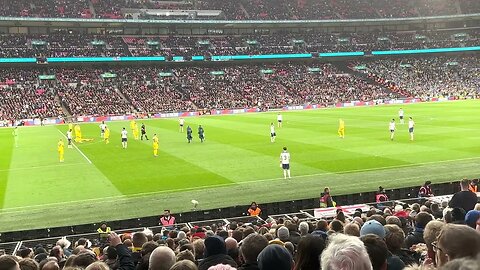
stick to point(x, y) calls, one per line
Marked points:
point(125, 261)
point(275, 257)
point(464, 199)
point(162, 258)
point(377, 251)
point(184, 265)
point(8, 262)
point(252, 245)
point(345, 252)
point(308, 251)
point(454, 242)
point(215, 253)
point(415, 237)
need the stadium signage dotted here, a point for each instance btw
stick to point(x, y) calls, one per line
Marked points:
point(165, 74)
point(313, 70)
point(107, 75)
point(46, 77)
point(216, 73)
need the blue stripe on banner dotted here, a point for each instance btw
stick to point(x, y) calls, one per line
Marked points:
point(437, 50)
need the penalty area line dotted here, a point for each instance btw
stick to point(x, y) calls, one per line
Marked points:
point(74, 146)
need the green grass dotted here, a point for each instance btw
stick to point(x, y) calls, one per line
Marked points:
point(236, 165)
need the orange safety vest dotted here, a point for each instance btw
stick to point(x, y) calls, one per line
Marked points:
point(473, 188)
point(255, 212)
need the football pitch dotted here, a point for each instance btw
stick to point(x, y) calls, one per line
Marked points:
point(236, 164)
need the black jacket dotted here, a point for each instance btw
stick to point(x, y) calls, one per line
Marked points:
point(464, 199)
point(125, 261)
point(414, 238)
point(214, 260)
point(249, 266)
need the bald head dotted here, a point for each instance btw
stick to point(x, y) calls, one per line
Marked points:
point(162, 258)
point(231, 243)
point(51, 265)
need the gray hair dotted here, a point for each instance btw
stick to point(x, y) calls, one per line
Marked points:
point(345, 252)
point(303, 228)
point(162, 258)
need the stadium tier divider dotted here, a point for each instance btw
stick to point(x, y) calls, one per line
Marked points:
point(227, 214)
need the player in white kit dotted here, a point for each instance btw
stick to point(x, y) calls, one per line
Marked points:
point(391, 126)
point(69, 138)
point(124, 138)
point(285, 162)
point(181, 122)
point(411, 125)
point(279, 120)
point(272, 133)
point(400, 116)
point(102, 129)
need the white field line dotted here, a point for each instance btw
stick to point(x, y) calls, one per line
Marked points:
point(74, 146)
point(41, 167)
point(144, 194)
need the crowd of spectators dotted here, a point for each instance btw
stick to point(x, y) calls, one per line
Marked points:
point(428, 77)
point(427, 233)
point(244, 9)
point(123, 90)
point(64, 44)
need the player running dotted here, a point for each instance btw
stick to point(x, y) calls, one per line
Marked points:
point(106, 135)
point(124, 138)
point(273, 135)
point(201, 133)
point(341, 128)
point(181, 122)
point(285, 162)
point(411, 125)
point(400, 116)
point(391, 126)
point(69, 138)
point(155, 145)
point(102, 129)
point(189, 134)
point(279, 120)
point(61, 150)
point(15, 136)
point(144, 132)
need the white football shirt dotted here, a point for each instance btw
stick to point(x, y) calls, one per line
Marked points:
point(124, 134)
point(285, 157)
point(411, 124)
point(392, 125)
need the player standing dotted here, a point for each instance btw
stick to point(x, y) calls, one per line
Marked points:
point(134, 128)
point(70, 126)
point(124, 138)
point(60, 149)
point(201, 133)
point(155, 145)
point(144, 132)
point(69, 138)
point(341, 128)
point(106, 135)
point(78, 133)
point(411, 125)
point(273, 135)
point(15, 136)
point(391, 126)
point(181, 122)
point(279, 120)
point(102, 129)
point(189, 134)
point(400, 116)
point(285, 162)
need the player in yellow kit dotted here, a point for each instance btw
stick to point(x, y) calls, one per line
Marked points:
point(60, 149)
point(341, 128)
point(155, 145)
point(70, 126)
point(106, 135)
point(78, 133)
point(134, 128)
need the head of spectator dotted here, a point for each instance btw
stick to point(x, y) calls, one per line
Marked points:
point(28, 264)
point(138, 239)
point(214, 245)
point(352, 229)
point(70, 261)
point(336, 226)
point(463, 264)
point(162, 258)
point(395, 237)
point(57, 252)
point(251, 247)
point(303, 228)
point(373, 227)
point(283, 234)
point(378, 218)
point(275, 257)
point(232, 248)
point(8, 262)
point(199, 248)
point(25, 253)
point(456, 241)
point(458, 215)
point(471, 218)
point(51, 265)
point(377, 251)
point(222, 266)
point(345, 252)
point(84, 259)
point(98, 266)
point(308, 251)
point(184, 265)
point(185, 255)
point(393, 220)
